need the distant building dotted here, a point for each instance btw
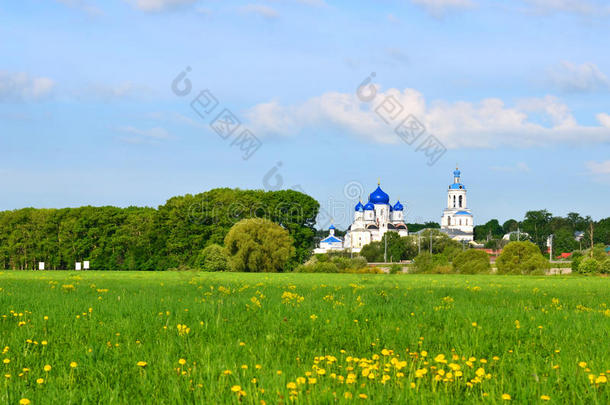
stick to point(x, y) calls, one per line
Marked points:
point(330, 243)
point(371, 221)
point(457, 220)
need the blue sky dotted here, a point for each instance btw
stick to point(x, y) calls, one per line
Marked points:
point(517, 92)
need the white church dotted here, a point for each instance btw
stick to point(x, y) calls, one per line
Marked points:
point(457, 220)
point(373, 219)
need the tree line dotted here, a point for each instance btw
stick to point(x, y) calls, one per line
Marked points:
point(570, 233)
point(142, 238)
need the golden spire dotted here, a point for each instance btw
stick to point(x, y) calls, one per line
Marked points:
point(378, 181)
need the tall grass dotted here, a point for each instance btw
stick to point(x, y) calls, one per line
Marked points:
point(265, 338)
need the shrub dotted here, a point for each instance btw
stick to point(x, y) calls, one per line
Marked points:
point(589, 265)
point(605, 266)
point(318, 267)
point(213, 258)
point(345, 263)
point(395, 269)
point(472, 261)
point(576, 259)
point(522, 258)
point(427, 263)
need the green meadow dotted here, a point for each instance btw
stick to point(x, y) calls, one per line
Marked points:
point(235, 338)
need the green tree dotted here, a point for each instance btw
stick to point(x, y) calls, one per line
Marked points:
point(372, 252)
point(410, 247)
point(259, 245)
point(213, 258)
point(395, 246)
point(510, 226)
point(472, 261)
point(537, 225)
point(521, 258)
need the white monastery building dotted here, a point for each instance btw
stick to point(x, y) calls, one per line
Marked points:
point(373, 219)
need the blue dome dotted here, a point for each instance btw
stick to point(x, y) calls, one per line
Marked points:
point(463, 213)
point(457, 186)
point(398, 206)
point(369, 206)
point(457, 173)
point(379, 197)
point(332, 227)
point(359, 207)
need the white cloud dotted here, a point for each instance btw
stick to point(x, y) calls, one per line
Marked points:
point(23, 87)
point(438, 8)
point(138, 135)
point(82, 5)
point(159, 5)
point(603, 119)
point(109, 92)
point(598, 167)
point(584, 7)
point(586, 77)
point(315, 3)
point(260, 9)
point(489, 123)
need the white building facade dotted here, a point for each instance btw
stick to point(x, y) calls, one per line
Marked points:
point(457, 220)
point(371, 221)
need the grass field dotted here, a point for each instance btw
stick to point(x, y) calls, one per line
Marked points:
point(168, 338)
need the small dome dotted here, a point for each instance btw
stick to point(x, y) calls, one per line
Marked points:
point(398, 206)
point(359, 207)
point(379, 197)
point(332, 226)
point(463, 213)
point(457, 172)
point(457, 186)
point(369, 206)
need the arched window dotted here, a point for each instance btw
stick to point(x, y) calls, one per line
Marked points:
point(460, 222)
point(460, 201)
point(453, 201)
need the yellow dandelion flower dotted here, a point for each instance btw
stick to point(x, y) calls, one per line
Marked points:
point(582, 364)
point(505, 397)
point(24, 401)
point(291, 386)
point(40, 381)
point(236, 388)
point(347, 395)
point(545, 397)
point(362, 396)
point(227, 372)
point(142, 364)
point(602, 379)
point(73, 364)
point(182, 362)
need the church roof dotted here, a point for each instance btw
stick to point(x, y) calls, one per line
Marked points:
point(379, 196)
point(331, 239)
point(359, 206)
point(369, 206)
point(457, 186)
point(332, 226)
point(463, 213)
point(398, 206)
